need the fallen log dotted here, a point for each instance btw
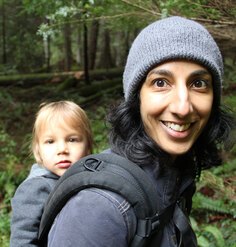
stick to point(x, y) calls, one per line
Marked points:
point(97, 87)
point(29, 80)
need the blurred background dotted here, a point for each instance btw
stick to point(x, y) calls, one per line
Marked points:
point(76, 50)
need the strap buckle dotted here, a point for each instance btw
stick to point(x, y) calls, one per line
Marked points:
point(151, 225)
point(92, 164)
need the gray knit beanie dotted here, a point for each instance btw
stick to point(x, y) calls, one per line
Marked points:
point(168, 39)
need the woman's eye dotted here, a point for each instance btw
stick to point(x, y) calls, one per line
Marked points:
point(200, 84)
point(160, 83)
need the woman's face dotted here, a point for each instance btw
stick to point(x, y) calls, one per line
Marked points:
point(175, 104)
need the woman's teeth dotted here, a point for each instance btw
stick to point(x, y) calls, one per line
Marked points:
point(177, 127)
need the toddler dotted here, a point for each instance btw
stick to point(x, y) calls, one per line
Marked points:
point(61, 136)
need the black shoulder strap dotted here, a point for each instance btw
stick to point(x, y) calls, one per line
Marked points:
point(115, 173)
point(112, 172)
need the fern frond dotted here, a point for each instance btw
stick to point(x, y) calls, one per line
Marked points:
point(202, 241)
point(202, 202)
point(227, 168)
point(218, 236)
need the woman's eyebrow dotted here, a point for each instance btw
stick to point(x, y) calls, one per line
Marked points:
point(162, 72)
point(201, 72)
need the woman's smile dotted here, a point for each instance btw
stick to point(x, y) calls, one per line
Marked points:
point(177, 127)
point(178, 132)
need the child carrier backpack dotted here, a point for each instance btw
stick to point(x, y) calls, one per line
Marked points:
point(112, 172)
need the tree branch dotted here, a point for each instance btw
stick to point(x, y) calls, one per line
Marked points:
point(142, 8)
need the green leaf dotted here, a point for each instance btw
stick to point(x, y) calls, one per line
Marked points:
point(203, 242)
point(220, 242)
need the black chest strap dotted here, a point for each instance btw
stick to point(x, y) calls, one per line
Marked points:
point(181, 221)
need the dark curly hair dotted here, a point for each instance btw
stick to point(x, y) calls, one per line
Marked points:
point(128, 138)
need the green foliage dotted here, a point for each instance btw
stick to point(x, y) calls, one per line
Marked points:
point(8, 163)
point(8, 182)
point(201, 8)
point(63, 13)
point(216, 183)
point(201, 202)
point(219, 196)
point(230, 101)
point(208, 235)
point(212, 235)
point(216, 233)
point(99, 129)
point(4, 227)
point(7, 148)
point(226, 169)
point(57, 19)
point(114, 14)
point(48, 18)
point(230, 75)
point(6, 69)
point(5, 98)
point(214, 207)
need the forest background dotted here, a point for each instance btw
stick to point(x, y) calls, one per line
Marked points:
point(76, 50)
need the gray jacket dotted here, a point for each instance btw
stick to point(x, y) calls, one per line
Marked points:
point(27, 206)
point(101, 218)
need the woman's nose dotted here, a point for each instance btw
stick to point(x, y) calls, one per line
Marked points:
point(181, 102)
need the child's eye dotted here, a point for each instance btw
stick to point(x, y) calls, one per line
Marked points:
point(75, 139)
point(50, 141)
point(72, 139)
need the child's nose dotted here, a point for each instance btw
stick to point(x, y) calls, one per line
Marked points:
point(62, 148)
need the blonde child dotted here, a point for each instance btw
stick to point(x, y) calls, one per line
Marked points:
point(61, 136)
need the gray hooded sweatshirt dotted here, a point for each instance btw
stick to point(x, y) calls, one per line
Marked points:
point(27, 206)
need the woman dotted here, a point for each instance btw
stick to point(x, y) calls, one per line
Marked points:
point(170, 123)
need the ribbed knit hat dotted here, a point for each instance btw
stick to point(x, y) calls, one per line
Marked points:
point(169, 39)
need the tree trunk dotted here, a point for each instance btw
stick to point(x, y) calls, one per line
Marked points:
point(86, 66)
point(46, 44)
point(47, 53)
point(4, 52)
point(127, 45)
point(79, 51)
point(121, 51)
point(67, 47)
point(93, 44)
point(106, 57)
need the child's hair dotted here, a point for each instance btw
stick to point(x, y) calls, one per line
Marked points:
point(65, 113)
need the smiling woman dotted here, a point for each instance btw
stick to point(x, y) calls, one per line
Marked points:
point(171, 124)
point(175, 104)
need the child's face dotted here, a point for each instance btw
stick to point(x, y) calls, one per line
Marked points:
point(60, 146)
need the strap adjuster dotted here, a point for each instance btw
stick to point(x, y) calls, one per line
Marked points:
point(148, 226)
point(151, 225)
